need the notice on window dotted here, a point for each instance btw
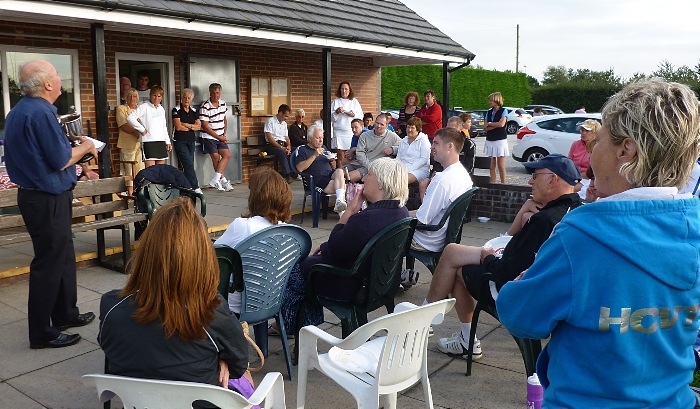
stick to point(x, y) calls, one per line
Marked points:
point(254, 87)
point(258, 104)
point(279, 87)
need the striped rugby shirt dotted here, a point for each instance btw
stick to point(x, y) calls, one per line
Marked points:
point(214, 116)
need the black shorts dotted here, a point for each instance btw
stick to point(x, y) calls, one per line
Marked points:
point(472, 277)
point(324, 180)
point(155, 150)
point(212, 145)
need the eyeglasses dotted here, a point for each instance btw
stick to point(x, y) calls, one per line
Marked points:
point(535, 174)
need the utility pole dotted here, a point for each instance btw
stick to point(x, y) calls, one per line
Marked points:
point(517, 46)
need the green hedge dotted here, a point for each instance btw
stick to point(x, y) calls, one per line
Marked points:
point(571, 96)
point(469, 87)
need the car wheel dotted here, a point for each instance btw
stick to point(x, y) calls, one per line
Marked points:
point(533, 155)
point(512, 127)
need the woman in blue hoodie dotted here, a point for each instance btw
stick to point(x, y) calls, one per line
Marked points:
point(623, 315)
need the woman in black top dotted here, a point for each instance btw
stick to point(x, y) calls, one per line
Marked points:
point(406, 112)
point(496, 146)
point(185, 122)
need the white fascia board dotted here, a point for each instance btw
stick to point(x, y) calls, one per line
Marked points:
point(49, 13)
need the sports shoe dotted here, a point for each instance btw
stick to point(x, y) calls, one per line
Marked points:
point(409, 278)
point(227, 186)
point(457, 346)
point(198, 190)
point(340, 205)
point(216, 184)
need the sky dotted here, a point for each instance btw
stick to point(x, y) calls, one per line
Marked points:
point(628, 36)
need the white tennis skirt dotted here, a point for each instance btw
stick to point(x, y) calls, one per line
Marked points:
point(341, 140)
point(496, 149)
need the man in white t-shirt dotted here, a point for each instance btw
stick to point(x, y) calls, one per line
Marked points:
point(212, 114)
point(444, 189)
point(277, 136)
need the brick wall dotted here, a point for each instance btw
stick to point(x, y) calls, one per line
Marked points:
point(499, 202)
point(303, 68)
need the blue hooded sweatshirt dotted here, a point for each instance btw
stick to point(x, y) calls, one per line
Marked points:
point(617, 286)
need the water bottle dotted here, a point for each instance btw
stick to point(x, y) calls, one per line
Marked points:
point(534, 392)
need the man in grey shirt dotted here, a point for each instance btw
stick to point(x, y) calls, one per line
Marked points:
point(375, 143)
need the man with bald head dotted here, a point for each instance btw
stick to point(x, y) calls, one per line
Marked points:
point(41, 161)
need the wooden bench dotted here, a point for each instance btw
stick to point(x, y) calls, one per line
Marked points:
point(108, 214)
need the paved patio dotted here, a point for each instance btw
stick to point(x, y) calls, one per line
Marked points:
point(50, 378)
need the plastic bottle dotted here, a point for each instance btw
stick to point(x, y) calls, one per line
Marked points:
point(534, 392)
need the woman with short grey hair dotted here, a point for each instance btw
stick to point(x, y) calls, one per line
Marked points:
point(622, 315)
point(186, 123)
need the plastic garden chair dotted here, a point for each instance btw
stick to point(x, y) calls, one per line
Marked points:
point(266, 259)
point(318, 196)
point(529, 348)
point(381, 259)
point(378, 368)
point(152, 394)
point(454, 217)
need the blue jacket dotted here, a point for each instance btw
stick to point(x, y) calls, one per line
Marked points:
point(617, 286)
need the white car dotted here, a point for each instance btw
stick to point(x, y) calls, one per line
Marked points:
point(549, 134)
point(516, 119)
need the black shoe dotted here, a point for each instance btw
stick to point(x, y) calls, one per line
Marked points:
point(63, 340)
point(83, 319)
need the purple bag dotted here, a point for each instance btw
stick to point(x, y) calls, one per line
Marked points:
point(242, 386)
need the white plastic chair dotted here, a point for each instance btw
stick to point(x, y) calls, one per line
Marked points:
point(153, 394)
point(383, 366)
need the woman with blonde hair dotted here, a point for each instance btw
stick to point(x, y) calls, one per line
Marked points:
point(269, 203)
point(623, 314)
point(580, 150)
point(169, 322)
point(496, 146)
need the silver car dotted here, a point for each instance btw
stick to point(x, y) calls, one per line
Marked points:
point(548, 134)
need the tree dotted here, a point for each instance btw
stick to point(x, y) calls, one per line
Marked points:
point(532, 81)
point(682, 74)
point(555, 75)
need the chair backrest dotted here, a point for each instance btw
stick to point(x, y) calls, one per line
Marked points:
point(148, 393)
point(267, 258)
point(306, 179)
point(456, 212)
point(383, 256)
point(403, 359)
point(229, 265)
point(161, 195)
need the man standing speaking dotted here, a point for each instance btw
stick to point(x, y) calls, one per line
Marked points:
point(40, 160)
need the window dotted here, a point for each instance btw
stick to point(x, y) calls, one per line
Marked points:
point(66, 63)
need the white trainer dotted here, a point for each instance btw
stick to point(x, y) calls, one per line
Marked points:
point(227, 186)
point(198, 190)
point(340, 205)
point(457, 346)
point(216, 184)
point(409, 278)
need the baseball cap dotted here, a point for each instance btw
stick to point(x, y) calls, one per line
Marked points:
point(587, 124)
point(561, 165)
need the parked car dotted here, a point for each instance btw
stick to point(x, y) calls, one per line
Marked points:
point(547, 109)
point(516, 119)
point(548, 134)
point(477, 128)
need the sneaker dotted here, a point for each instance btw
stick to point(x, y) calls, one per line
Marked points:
point(457, 346)
point(409, 278)
point(216, 184)
point(227, 186)
point(198, 190)
point(340, 205)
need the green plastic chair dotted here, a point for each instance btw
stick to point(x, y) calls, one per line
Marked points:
point(455, 213)
point(382, 257)
point(529, 348)
point(260, 266)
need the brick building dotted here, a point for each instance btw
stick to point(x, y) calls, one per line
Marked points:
point(289, 46)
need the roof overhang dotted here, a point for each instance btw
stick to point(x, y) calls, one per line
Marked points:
point(55, 13)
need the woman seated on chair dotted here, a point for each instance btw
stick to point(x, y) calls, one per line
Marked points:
point(269, 203)
point(169, 322)
point(386, 190)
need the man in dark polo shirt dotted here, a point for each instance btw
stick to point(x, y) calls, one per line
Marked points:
point(41, 161)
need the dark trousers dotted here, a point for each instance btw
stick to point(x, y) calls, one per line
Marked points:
point(282, 158)
point(185, 155)
point(52, 283)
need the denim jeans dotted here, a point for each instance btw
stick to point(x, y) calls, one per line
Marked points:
point(185, 155)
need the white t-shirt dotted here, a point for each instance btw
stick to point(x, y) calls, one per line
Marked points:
point(240, 229)
point(444, 189)
point(278, 129)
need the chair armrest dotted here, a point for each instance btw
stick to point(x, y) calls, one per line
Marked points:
point(141, 197)
point(429, 227)
point(195, 195)
point(332, 270)
point(270, 390)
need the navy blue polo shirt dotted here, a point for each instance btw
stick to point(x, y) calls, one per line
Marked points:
point(36, 148)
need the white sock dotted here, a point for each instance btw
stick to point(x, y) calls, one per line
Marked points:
point(466, 329)
point(223, 179)
point(340, 194)
point(217, 177)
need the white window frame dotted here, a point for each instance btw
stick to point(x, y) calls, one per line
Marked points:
point(169, 60)
point(4, 49)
